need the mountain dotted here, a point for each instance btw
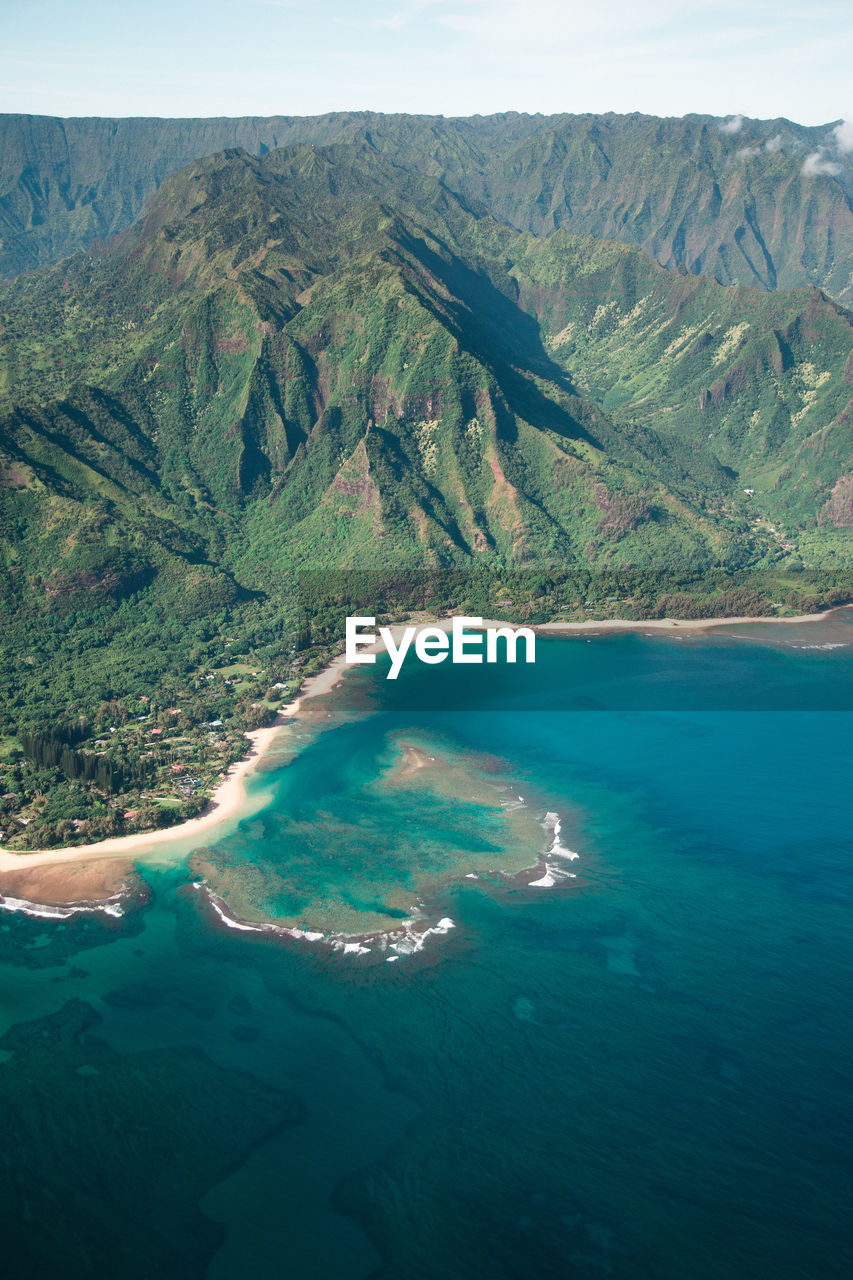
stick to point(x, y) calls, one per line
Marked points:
point(322, 382)
point(322, 358)
point(762, 203)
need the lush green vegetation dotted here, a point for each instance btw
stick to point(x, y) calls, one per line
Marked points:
point(732, 204)
point(318, 383)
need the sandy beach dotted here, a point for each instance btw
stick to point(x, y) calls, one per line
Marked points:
point(671, 624)
point(92, 882)
point(225, 800)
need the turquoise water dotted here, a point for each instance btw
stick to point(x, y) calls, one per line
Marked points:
point(643, 1072)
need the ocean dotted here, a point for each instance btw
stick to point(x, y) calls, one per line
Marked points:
point(615, 1042)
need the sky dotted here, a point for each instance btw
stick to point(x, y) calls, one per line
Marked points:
point(762, 58)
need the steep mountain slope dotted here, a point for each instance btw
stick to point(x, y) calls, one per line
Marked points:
point(740, 202)
point(322, 358)
point(738, 207)
point(761, 384)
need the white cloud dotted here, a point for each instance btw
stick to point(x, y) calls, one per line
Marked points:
point(538, 23)
point(734, 124)
point(817, 164)
point(844, 136)
point(405, 15)
point(772, 145)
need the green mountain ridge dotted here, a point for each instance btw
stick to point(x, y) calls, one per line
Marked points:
point(324, 342)
point(731, 202)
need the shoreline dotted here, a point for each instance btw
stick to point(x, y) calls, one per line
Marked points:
point(229, 796)
point(225, 801)
point(673, 624)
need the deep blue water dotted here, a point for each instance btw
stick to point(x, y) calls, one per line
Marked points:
point(641, 1073)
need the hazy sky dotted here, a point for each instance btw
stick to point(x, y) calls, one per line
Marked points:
point(452, 57)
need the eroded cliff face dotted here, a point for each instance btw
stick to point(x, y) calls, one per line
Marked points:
point(743, 207)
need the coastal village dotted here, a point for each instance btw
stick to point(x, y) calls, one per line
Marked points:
point(161, 754)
